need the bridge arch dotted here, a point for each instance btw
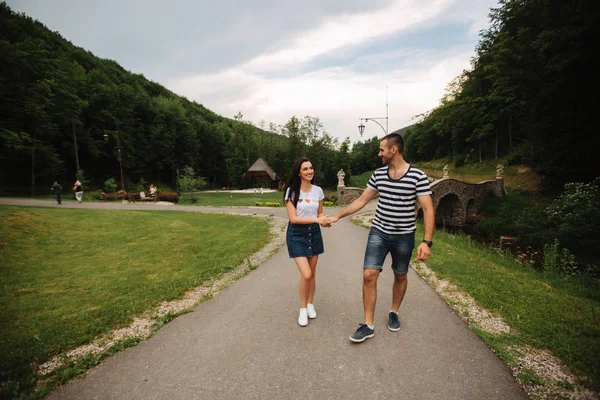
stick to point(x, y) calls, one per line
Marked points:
point(449, 211)
point(471, 210)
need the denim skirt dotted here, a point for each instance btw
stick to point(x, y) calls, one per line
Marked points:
point(304, 240)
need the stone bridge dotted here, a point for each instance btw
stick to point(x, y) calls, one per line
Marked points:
point(455, 202)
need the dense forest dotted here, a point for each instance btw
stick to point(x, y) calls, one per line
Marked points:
point(63, 109)
point(529, 96)
point(527, 99)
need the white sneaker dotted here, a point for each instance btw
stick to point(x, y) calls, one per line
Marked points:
point(311, 311)
point(303, 317)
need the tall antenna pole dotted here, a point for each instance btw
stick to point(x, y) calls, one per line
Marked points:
point(387, 127)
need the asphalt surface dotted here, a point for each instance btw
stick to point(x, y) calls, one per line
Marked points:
point(246, 344)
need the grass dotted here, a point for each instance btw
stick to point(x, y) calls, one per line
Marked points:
point(69, 276)
point(224, 199)
point(548, 312)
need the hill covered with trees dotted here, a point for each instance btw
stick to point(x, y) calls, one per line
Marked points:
point(530, 95)
point(57, 102)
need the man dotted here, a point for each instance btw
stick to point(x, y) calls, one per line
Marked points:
point(56, 188)
point(400, 185)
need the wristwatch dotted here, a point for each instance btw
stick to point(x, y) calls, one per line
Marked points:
point(428, 243)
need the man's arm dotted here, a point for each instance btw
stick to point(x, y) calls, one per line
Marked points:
point(423, 251)
point(356, 205)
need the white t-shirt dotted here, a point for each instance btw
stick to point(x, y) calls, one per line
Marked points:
point(308, 203)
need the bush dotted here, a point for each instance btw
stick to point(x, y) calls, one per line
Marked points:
point(110, 186)
point(273, 204)
point(331, 198)
point(170, 197)
point(187, 181)
point(112, 196)
point(96, 195)
point(328, 203)
point(559, 261)
point(519, 155)
point(259, 203)
point(141, 186)
point(80, 175)
point(575, 217)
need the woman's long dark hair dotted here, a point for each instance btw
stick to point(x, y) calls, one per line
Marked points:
point(294, 181)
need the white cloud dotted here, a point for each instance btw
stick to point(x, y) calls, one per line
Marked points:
point(348, 30)
point(339, 96)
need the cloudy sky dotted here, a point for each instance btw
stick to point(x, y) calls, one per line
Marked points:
point(331, 59)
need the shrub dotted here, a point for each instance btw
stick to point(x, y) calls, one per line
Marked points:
point(96, 195)
point(331, 198)
point(273, 204)
point(187, 181)
point(110, 186)
point(259, 203)
point(328, 203)
point(111, 196)
point(559, 261)
point(575, 217)
point(141, 186)
point(80, 175)
point(170, 197)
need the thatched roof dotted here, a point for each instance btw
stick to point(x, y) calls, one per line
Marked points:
point(260, 167)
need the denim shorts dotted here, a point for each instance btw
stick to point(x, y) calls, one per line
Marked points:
point(380, 244)
point(304, 240)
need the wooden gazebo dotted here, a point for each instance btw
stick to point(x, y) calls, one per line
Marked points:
point(260, 173)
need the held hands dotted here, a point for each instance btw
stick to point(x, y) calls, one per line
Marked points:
point(326, 222)
point(423, 252)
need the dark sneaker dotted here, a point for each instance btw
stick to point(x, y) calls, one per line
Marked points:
point(362, 333)
point(394, 324)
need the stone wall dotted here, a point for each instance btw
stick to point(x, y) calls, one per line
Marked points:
point(347, 195)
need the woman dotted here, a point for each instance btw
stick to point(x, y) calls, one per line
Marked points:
point(78, 191)
point(304, 203)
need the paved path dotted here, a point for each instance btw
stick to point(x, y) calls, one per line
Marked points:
point(246, 344)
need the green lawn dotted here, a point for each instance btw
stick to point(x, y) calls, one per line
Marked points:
point(70, 275)
point(224, 199)
point(554, 313)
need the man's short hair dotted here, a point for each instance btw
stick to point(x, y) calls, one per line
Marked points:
point(394, 139)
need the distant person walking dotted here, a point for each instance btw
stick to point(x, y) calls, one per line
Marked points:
point(400, 186)
point(304, 204)
point(56, 189)
point(78, 191)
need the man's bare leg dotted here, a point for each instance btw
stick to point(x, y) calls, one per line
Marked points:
point(398, 291)
point(370, 294)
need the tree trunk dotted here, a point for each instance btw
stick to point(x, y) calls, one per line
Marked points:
point(480, 160)
point(75, 147)
point(496, 150)
point(33, 169)
point(510, 133)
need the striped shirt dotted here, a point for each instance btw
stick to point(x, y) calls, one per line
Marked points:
point(395, 213)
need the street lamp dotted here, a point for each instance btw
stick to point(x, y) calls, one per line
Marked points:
point(361, 127)
point(116, 133)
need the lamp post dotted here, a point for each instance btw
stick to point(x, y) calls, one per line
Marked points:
point(116, 133)
point(361, 127)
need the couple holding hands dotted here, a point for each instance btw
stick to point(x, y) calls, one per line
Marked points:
point(399, 185)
